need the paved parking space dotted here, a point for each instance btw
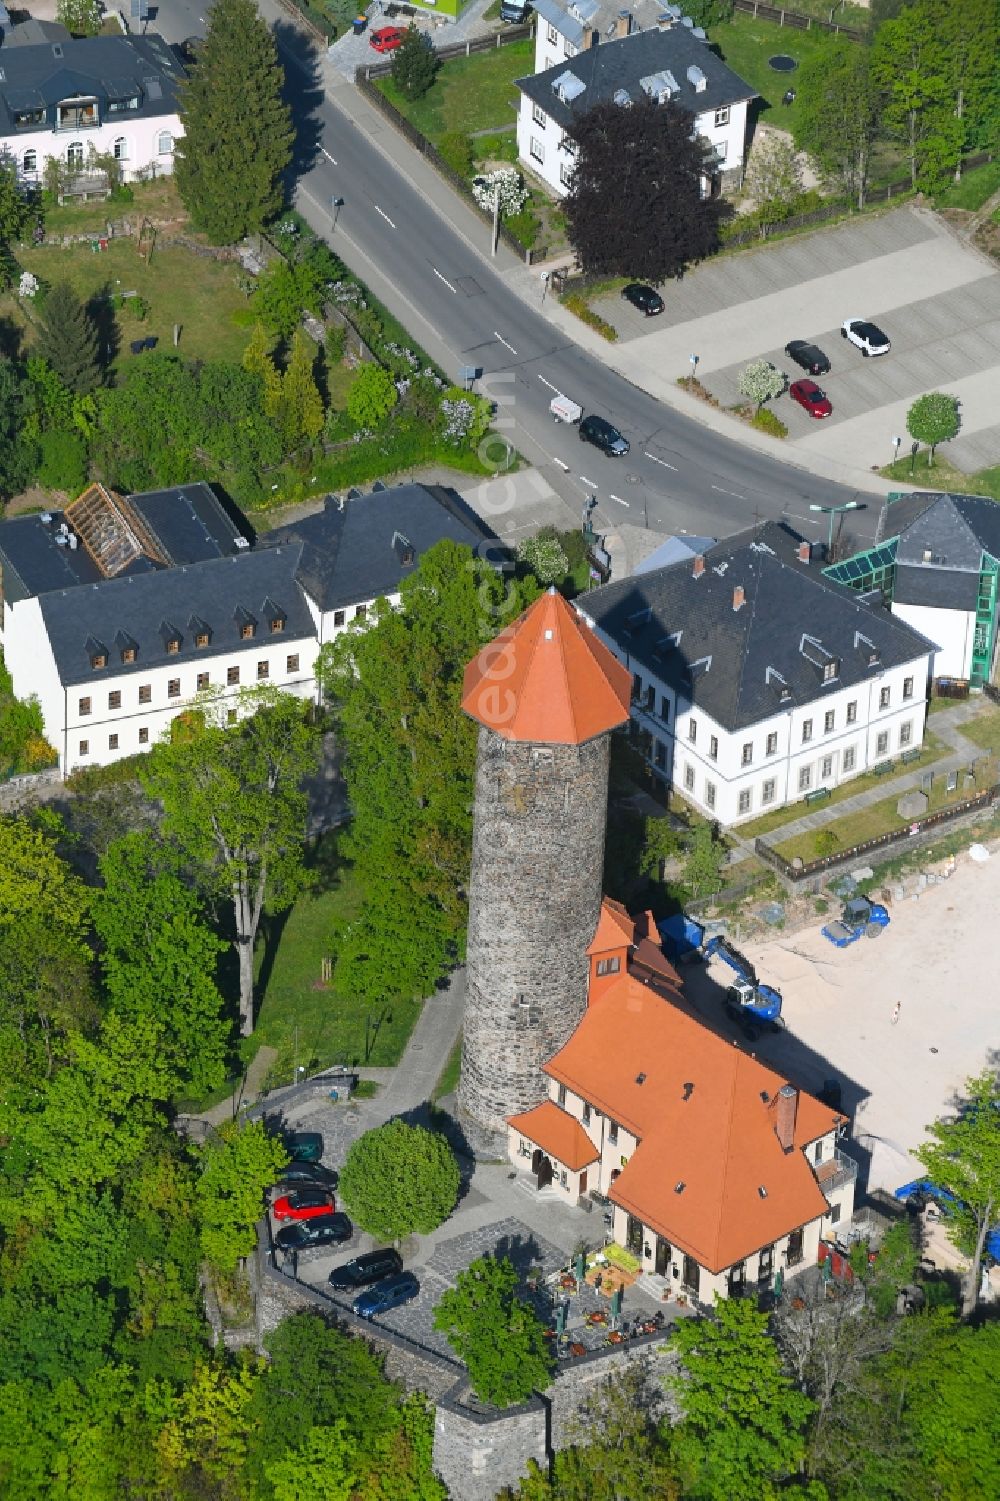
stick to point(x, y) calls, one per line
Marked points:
point(938, 300)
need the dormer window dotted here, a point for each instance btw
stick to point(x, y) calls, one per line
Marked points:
point(201, 639)
point(274, 615)
point(278, 623)
point(100, 660)
point(609, 966)
point(97, 652)
point(76, 113)
point(404, 549)
point(171, 638)
point(173, 645)
point(127, 647)
point(869, 651)
point(246, 623)
point(247, 631)
point(128, 654)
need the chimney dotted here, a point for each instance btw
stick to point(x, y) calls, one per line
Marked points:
point(786, 1107)
point(590, 39)
point(739, 597)
point(698, 567)
point(805, 552)
point(624, 24)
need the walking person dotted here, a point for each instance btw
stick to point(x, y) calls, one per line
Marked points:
point(894, 1018)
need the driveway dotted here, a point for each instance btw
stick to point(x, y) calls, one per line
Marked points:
point(936, 298)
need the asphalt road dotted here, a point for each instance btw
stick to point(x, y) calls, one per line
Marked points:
point(678, 474)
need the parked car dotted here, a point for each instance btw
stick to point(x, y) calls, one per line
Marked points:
point(324, 1230)
point(919, 1195)
point(808, 395)
point(809, 356)
point(514, 12)
point(303, 1146)
point(867, 337)
point(310, 1172)
point(646, 299)
point(364, 1270)
point(304, 1204)
point(387, 38)
point(603, 436)
point(386, 1295)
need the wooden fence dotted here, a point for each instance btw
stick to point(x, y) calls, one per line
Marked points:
point(913, 830)
point(796, 20)
point(458, 49)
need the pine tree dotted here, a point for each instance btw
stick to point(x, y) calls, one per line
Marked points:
point(257, 360)
point(414, 64)
point(67, 340)
point(238, 132)
point(302, 403)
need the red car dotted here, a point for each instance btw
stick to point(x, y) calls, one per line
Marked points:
point(387, 38)
point(304, 1204)
point(809, 395)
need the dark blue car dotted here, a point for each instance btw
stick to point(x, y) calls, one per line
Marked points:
point(386, 1295)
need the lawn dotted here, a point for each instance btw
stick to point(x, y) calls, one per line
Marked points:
point(199, 294)
point(745, 44)
point(973, 190)
point(944, 476)
point(450, 1074)
point(984, 729)
point(159, 199)
point(312, 1024)
point(931, 750)
point(469, 93)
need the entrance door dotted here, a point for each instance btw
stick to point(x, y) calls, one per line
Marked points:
point(633, 1236)
point(766, 1265)
point(583, 1184)
point(536, 1159)
point(662, 1257)
point(691, 1275)
point(544, 1172)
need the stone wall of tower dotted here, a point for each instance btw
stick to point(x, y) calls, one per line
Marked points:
point(534, 901)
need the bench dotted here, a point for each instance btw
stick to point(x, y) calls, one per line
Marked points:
point(819, 795)
point(882, 769)
point(910, 755)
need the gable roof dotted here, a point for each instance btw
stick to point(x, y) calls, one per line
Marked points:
point(614, 927)
point(740, 663)
point(42, 75)
point(558, 1133)
point(621, 65)
point(703, 1113)
point(131, 610)
point(351, 550)
point(547, 679)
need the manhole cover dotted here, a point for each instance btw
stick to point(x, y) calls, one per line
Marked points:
point(782, 63)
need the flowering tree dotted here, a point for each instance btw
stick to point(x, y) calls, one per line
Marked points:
point(464, 417)
point(509, 182)
point(545, 557)
point(761, 381)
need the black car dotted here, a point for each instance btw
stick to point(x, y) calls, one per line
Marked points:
point(310, 1172)
point(364, 1270)
point(808, 356)
point(646, 299)
point(304, 1146)
point(386, 1295)
point(603, 436)
point(324, 1230)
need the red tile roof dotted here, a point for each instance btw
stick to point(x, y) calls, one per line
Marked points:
point(547, 679)
point(557, 1133)
point(701, 1120)
point(614, 928)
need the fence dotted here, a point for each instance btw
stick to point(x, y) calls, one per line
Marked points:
point(794, 19)
point(423, 145)
point(802, 872)
point(321, 30)
point(456, 49)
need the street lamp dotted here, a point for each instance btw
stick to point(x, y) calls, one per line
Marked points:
point(694, 365)
point(336, 204)
point(895, 448)
point(832, 511)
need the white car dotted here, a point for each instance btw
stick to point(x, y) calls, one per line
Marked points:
point(867, 337)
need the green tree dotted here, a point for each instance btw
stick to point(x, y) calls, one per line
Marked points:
point(259, 362)
point(372, 396)
point(545, 558)
point(909, 67)
point(302, 405)
point(702, 859)
point(62, 463)
point(67, 339)
point(660, 842)
point(400, 1178)
point(237, 141)
point(499, 1337)
point(838, 109)
point(963, 1156)
point(286, 290)
point(743, 1422)
point(234, 808)
point(773, 180)
point(16, 209)
point(761, 381)
point(414, 64)
point(969, 35)
point(81, 17)
point(955, 1432)
point(323, 1468)
point(238, 1163)
point(17, 453)
point(933, 419)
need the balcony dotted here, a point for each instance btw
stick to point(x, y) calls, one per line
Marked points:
point(834, 1174)
point(83, 116)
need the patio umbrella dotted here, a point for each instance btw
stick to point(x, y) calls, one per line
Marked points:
point(560, 1318)
point(779, 1283)
point(616, 1304)
point(580, 1266)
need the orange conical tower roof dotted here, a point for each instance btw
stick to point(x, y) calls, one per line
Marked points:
point(547, 679)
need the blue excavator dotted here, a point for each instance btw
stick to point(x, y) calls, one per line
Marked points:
point(754, 1006)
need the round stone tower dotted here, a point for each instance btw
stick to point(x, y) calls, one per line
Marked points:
point(547, 695)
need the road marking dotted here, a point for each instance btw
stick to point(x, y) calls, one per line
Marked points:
point(385, 216)
point(562, 466)
point(589, 482)
point(503, 341)
point(445, 280)
point(809, 520)
point(550, 385)
point(619, 499)
point(735, 494)
point(329, 157)
point(660, 461)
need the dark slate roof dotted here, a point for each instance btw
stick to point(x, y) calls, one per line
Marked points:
point(955, 529)
point(732, 663)
point(189, 525)
point(136, 608)
point(32, 33)
point(938, 588)
point(622, 64)
point(43, 75)
point(351, 549)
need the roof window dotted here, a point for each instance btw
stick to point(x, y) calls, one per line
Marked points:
point(640, 1078)
point(869, 651)
point(404, 549)
point(171, 638)
point(762, 1191)
point(246, 623)
point(680, 1187)
point(688, 1091)
point(97, 652)
point(274, 615)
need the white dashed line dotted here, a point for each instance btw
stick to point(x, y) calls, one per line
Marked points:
point(660, 461)
point(329, 157)
point(385, 216)
point(550, 385)
point(592, 483)
point(503, 341)
point(735, 494)
point(445, 280)
point(619, 500)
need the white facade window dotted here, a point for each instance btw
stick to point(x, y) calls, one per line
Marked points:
point(689, 778)
point(565, 174)
point(710, 794)
point(553, 36)
point(906, 733)
point(744, 800)
point(74, 154)
point(850, 757)
point(164, 144)
point(722, 115)
point(713, 747)
point(693, 731)
point(121, 149)
point(907, 687)
point(747, 754)
point(882, 743)
point(852, 712)
point(84, 747)
point(807, 731)
point(768, 790)
point(826, 768)
point(884, 694)
point(561, 1095)
point(805, 778)
point(538, 115)
point(665, 709)
point(772, 744)
point(829, 719)
point(30, 162)
point(536, 149)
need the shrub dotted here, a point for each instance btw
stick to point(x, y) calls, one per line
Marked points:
point(372, 396)
point(578, 304)
point(767, 422)
point(825, 843)
point(455, 150)
point(63, 461)
point(524, 226)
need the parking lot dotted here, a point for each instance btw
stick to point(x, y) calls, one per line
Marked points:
point(936, 298)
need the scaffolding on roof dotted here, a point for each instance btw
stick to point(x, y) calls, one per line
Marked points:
point(111, 531)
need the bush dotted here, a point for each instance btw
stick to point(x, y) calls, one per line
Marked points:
point(336, 344)
point(455, 150)
point(825, 843)
point(372, 396)
point(524, 226)
point(578, 304)
point(767, 422)
point(63, 461)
